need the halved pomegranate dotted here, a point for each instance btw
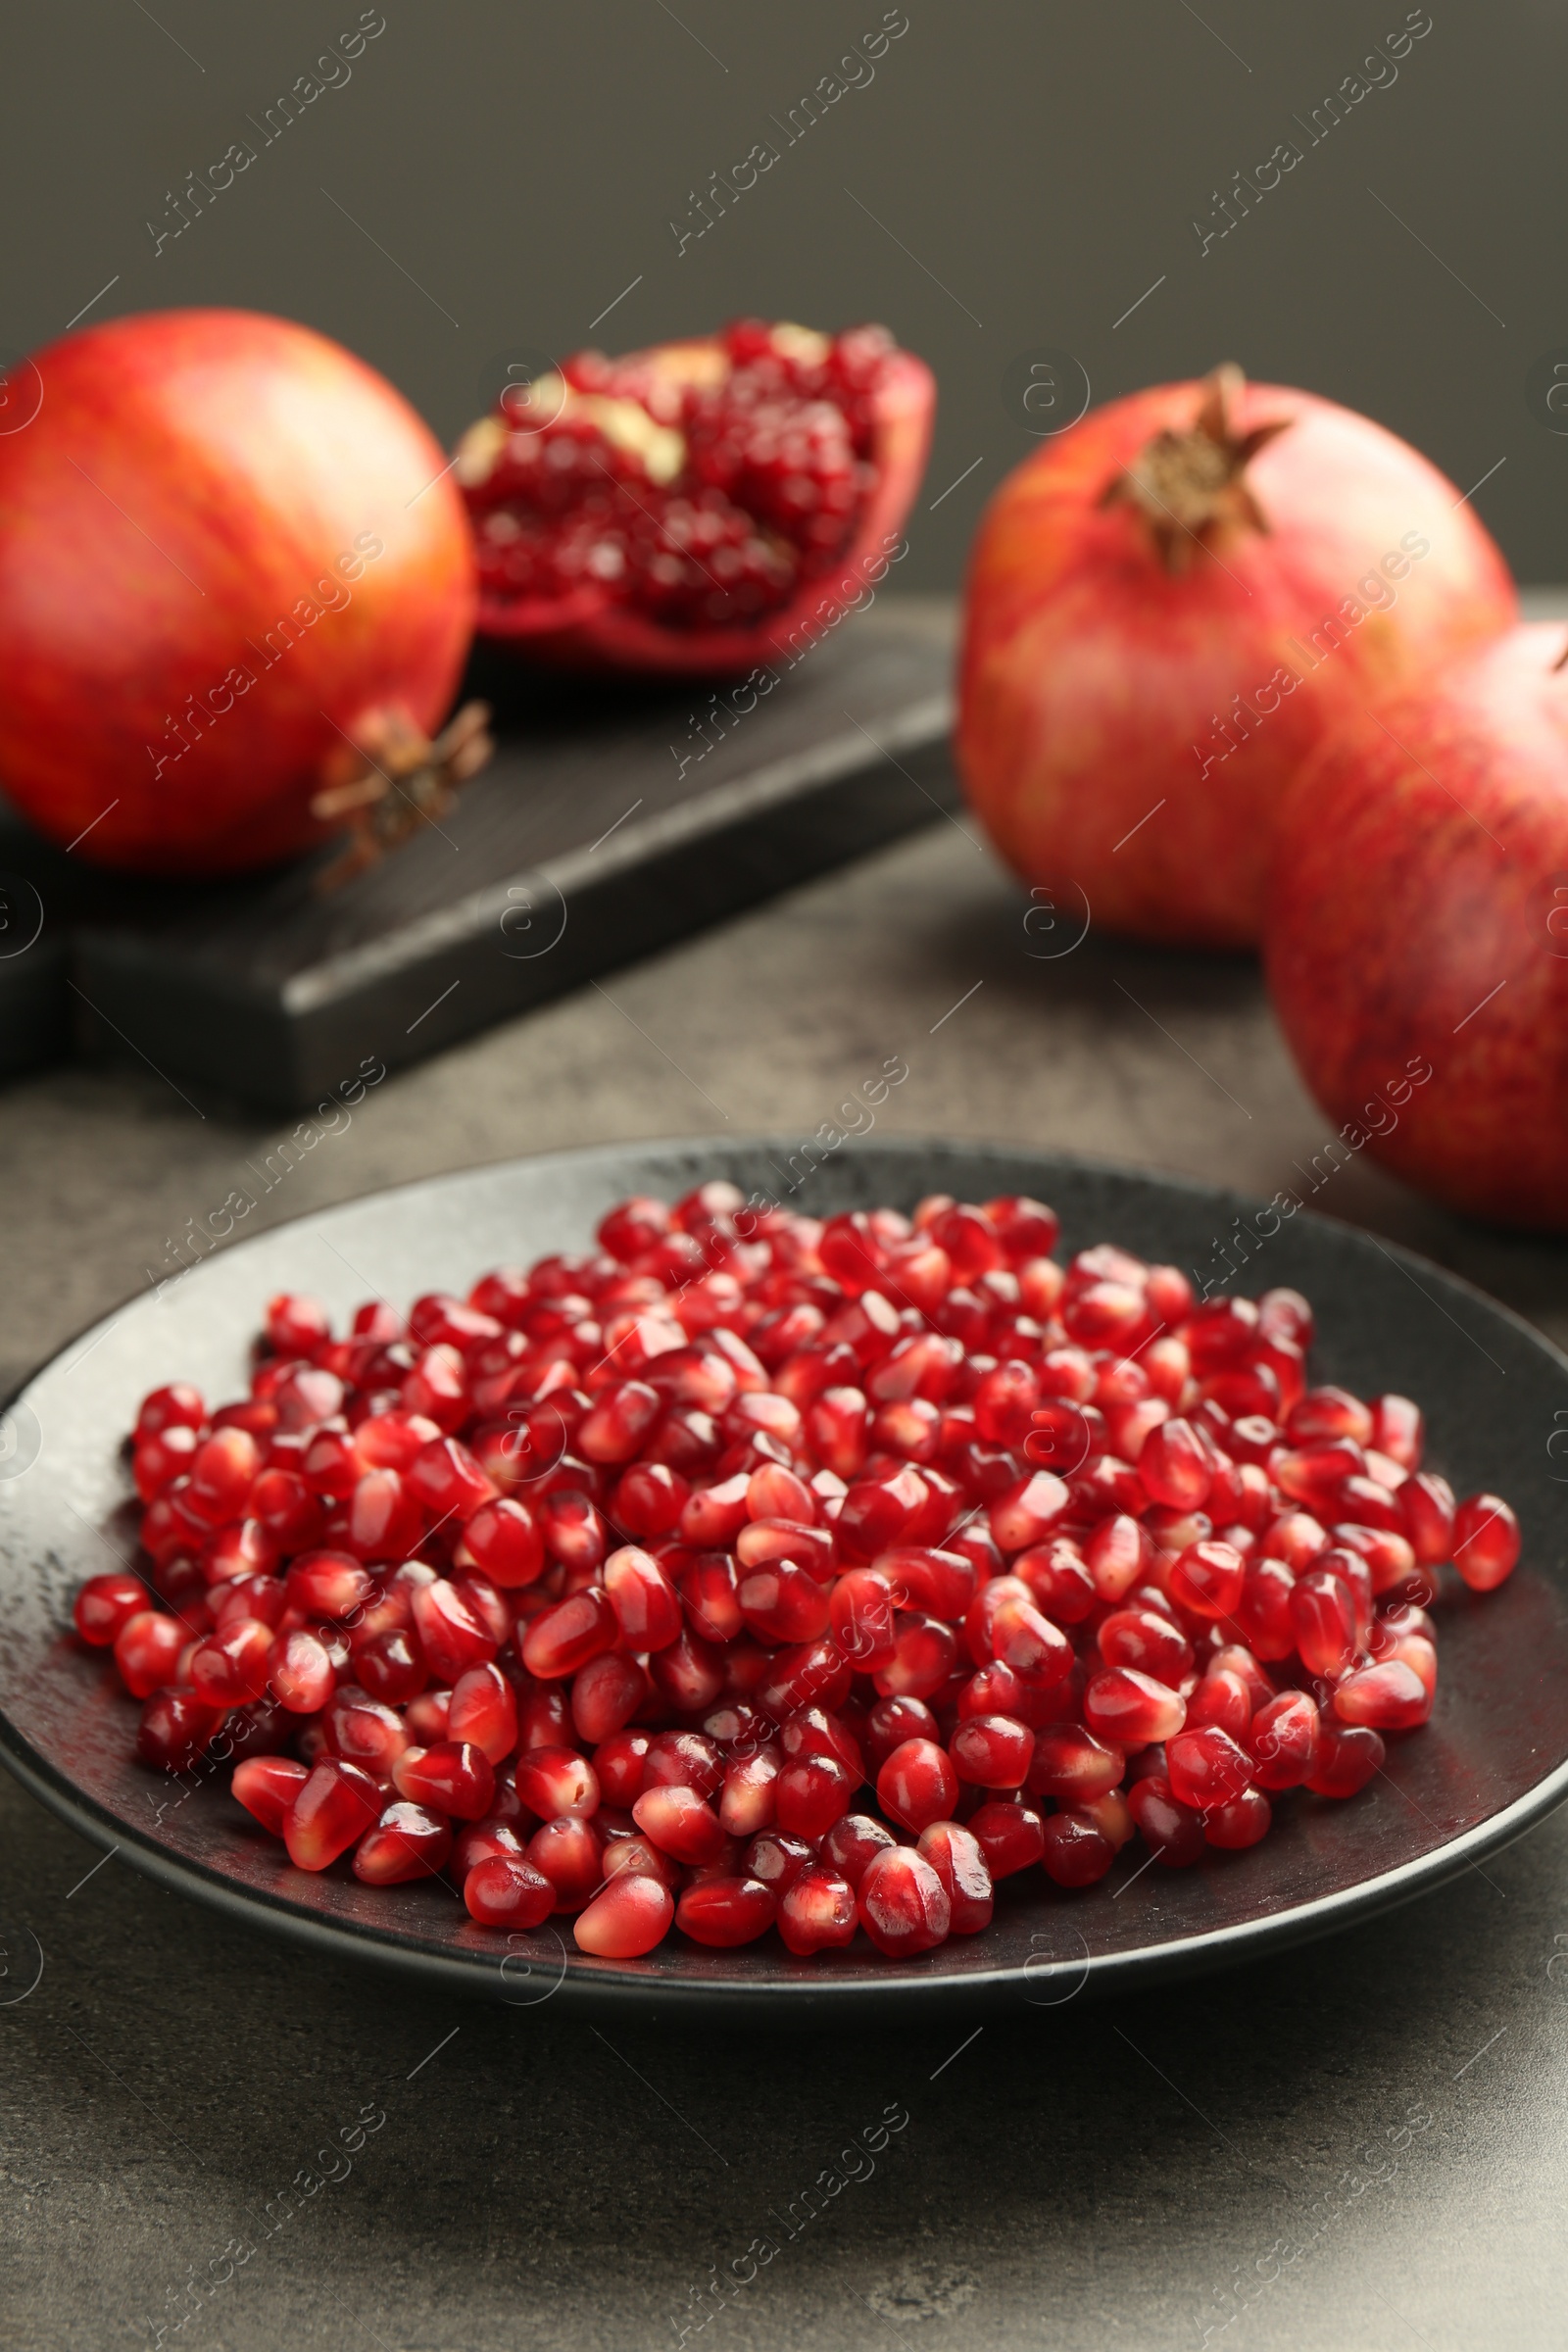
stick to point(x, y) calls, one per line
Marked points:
point(700, 507)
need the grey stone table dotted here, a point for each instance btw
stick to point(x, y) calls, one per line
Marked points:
point(1362, 2146)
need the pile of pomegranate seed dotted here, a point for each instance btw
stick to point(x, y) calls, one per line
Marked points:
point(702, 484)
point(616, 1588)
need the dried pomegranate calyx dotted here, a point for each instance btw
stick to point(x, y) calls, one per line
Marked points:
point(407, 782)
point(1187, 486)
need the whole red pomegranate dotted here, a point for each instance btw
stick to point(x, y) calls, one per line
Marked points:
point(1417, 929)
point(1167, 608)
point(226, 570)
point(698, 507)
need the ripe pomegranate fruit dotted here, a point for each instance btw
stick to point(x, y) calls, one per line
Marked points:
point(1166, 609)
point(643, 1739)
point(229, 579)
point(698, 507)
point(1417, 937)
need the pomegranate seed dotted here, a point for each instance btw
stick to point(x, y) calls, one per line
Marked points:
point(451, 1634)
point(649, 1498)
point(811, 1793)
point(406, 1842)
point(1387, 1698)
point(852, 1844)
point(725, 1911)
point(639, 1855)
point(1118, 1555)
point(1131, 1708)
point(509, 1891)
point(1329, 1413)
point(573, 1531)
point(105, 1606)
point(569, 1853)
point(1349, 1754)
point(690, 1674)
point(618, 1764)
point(178, 1407)
point(917, 1784)
point(1263, 1612)
point(817, 1912)
point(1323, 1614)
point(1207, 1578)
point(1173, 1830)
point(553, 1781)
point(1207, 1768)
point(300, 1672)
point(1010, 1837)
point(230, 1667)
point(606, 1693)
point(1028, 1511)
point(454, 1776)
point(267, 1787)
point(333, 1810)
point(481, 1840)
point(1175, 1467)
point(1283, 1740)
point(389, 1665)
point(501, 1539)
point(903, 1905)
point(327, 1583)
point(992, 1751)
point(893, 1720)
point(776, 1860)
point(1073, 1766)
point(632, 1915)
point(681, 1824)
point(1222, 1699)
point(1147, 1641)
point(1428, 1509)
point(1390, 1558)
point(938, 1583)
point(647, 1607)
point(283, 1504)
point(1486, 1542)
point(1239, 1822)
point(362, 1731)
point(177, 1728)
point(485, 1711)
point(958, 1862)
point(924, 1654)
point(684, 1760)
point(749, 1802)
point(1077, 1850)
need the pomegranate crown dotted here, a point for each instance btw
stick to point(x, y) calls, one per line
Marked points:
point(1188, 487)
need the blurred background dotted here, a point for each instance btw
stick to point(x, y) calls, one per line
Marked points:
point(1001, 180)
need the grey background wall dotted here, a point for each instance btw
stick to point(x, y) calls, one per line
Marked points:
point(1007, 174)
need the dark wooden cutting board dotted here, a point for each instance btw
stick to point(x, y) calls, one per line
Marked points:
point(614, 818)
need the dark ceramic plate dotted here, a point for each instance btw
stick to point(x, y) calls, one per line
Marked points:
point(1493, 1760)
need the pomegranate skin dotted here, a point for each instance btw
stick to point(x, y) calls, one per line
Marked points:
point(258, 467)
point(1396, 911)
point(1089, 670)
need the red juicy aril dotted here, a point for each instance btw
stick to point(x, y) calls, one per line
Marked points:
point(1167, 609)
point(650, 1700)
point(226, 558)
point(698, 507)
point(1417, 939)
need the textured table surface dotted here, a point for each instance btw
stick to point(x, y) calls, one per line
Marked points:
point(1363, 2146)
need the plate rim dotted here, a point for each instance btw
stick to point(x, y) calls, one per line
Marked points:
point(587, 1984)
